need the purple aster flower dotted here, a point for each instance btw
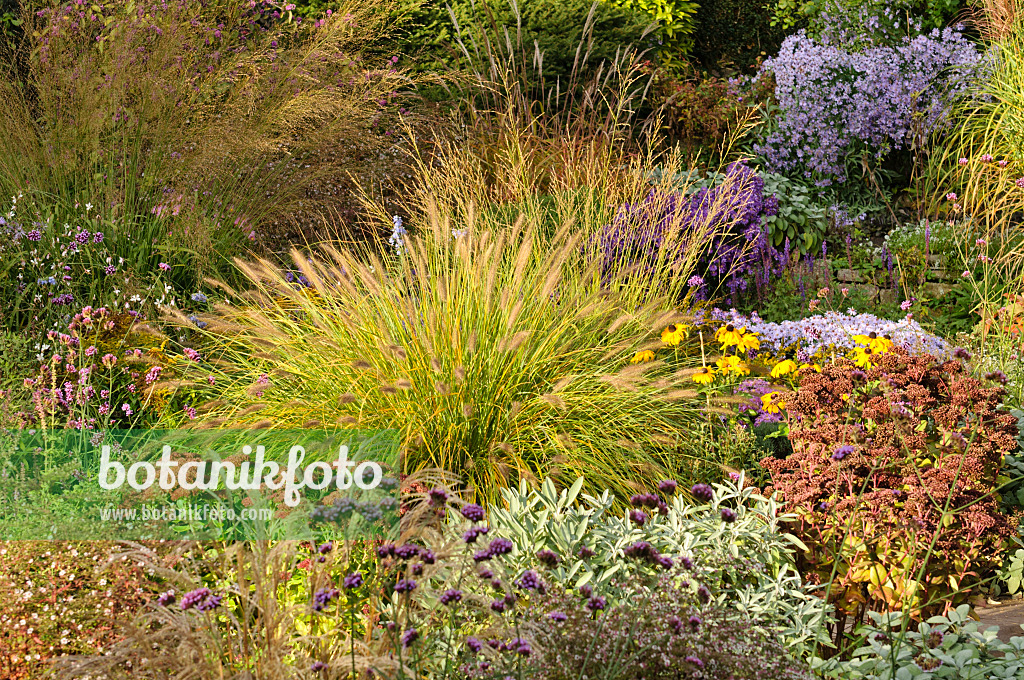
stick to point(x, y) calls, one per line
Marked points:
point(473, 644)
point(34, 235)
point(353, 580)
point(323, 597)
point(557, 617)
point(325, 548)
point(410, 636)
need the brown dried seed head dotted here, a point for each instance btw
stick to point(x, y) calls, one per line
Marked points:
point(347, 420)
point(460, 374)
point(361, 365)
point(441, 388)
point(435, 365)
point(347, 398)
point(469, 464)
point(553, 400)
point(262, 425)
point(403, 384)
point(312, 424)
point(467, 410)
point(388, 389)
point(517, 406)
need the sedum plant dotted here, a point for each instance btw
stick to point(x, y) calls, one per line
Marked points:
point(735, 540)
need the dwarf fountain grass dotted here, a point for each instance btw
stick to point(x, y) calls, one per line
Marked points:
point(499, 354)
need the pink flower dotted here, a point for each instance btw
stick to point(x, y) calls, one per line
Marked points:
point(966, 274)
point(90, 350)
point(1020, 182)
point(906, 304)
point(127, 409)
point(153, 374)
point(844, 291)
point(210, 379)
point(986, 158)
point(166, 267)
point(1003, 163)
point(109, 360)
point(962, 161)
point(190, 412)
point(951, 196)
point(191, 354)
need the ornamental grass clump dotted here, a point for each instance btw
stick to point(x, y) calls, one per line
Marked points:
point(496, 355)
point(893, 477)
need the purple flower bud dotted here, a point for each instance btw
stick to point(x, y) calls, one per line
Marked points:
point(473, 512)
point(702, 492)
point(405, 585)
point(451, 596)
point(353, 580)
point(667, 486)
point(410, 636)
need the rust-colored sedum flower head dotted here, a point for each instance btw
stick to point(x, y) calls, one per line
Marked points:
point(922, 444)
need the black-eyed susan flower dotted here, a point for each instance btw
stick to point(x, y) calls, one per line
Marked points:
point(642, 357)
point(772, 402)
point(729, 335)
point(876, 343)
point(784, 367)
point(748, 342)
point(815, 367)
point(704, 377)
point(732, 365)
point(862, 356)
point(674, 334)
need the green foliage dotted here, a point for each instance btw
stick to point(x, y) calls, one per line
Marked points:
point(801, 218)
point(557, 29)
point(790, 14)
point(952, 647)
point(735, 34)
point(747, 564)
point(676, 24)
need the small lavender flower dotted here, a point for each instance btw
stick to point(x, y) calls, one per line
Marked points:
point(166, 599)
point(638, 517)
point(585, 552)
point(702, 492)
point(405, 585)
point(199, 297)
point(474, 533)
point(596, 603)
point(437, 496)
point(548, 558)
point(695, 622)
point(695, 661)
point(409, 637)
point(473, 512)
point(353, 580)
point(473, 644)
point(529, 581)
point(842, 452)
point(451, 596)
point(407, 551)
point(557, 617)
point(500, 546)
point(728, 515)
point(704, 594)
point(318, 666)
point(667, 486)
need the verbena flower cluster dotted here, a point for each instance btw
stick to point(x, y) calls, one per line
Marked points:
point(835, 103)
point(824, 335)
point(659, 229)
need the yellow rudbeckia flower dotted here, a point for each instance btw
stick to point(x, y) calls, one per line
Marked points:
point(705, 377)
point(729, 335)
point(772, 403)
point(674, 334)
point(862, 356)
point(876, 343)
point(749, 342)
point(642, 357)
point(816, 367)
point(732, 364)
point(784, 367)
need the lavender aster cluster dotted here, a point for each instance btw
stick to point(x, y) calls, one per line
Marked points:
point(824, 334)
point(835, 102)
point(201, 599)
